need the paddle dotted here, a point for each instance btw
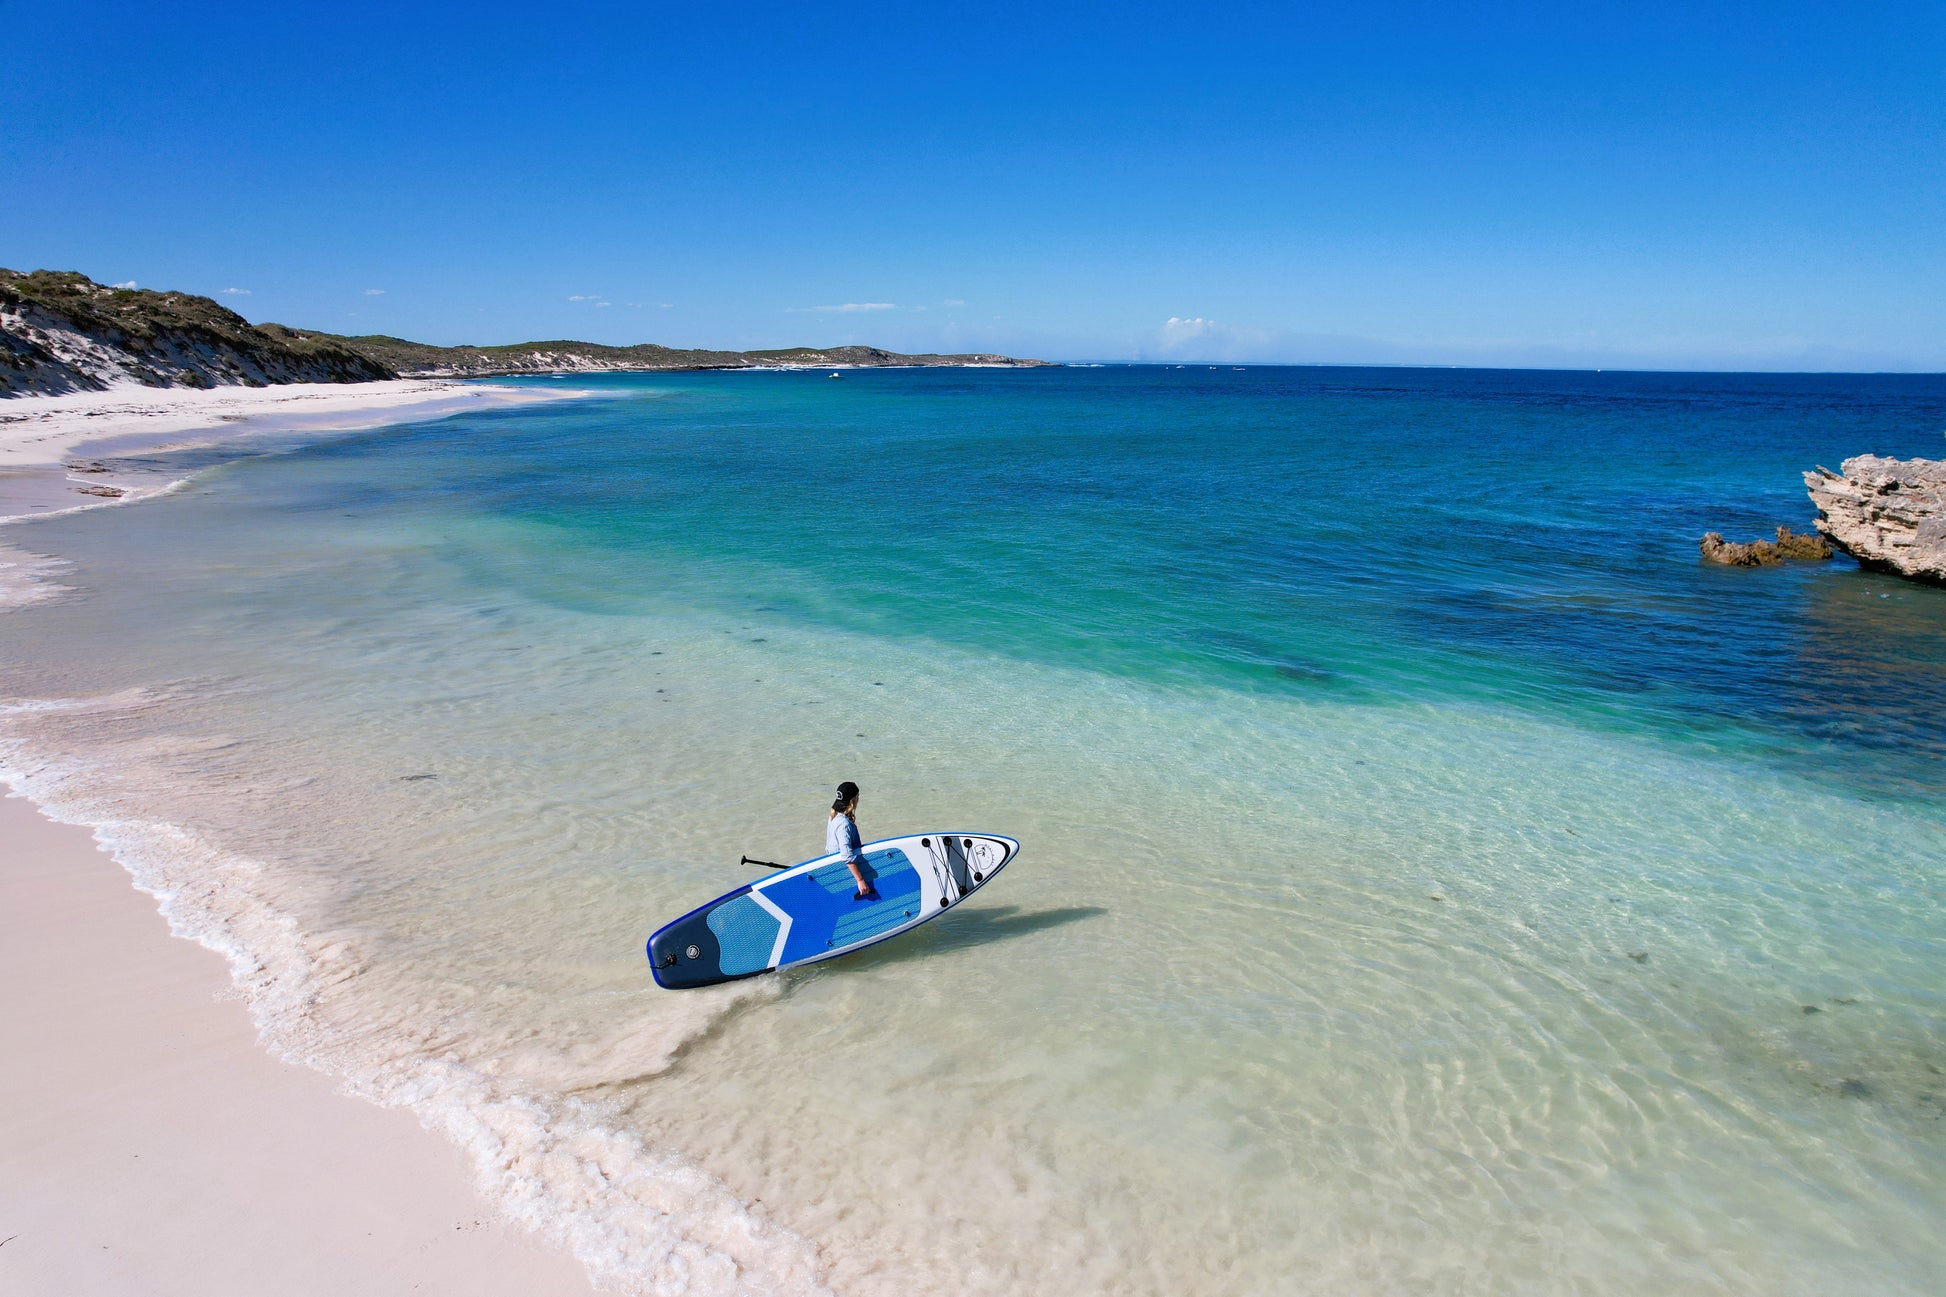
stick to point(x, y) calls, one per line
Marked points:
point(765, 863)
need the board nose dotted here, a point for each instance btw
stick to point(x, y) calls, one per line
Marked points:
point(987, 854)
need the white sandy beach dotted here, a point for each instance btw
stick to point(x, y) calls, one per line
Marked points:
point(153, 1146)
point(41, 435)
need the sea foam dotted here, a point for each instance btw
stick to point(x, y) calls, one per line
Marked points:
point(641, 1222)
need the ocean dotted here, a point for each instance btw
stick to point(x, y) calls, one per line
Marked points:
point(1434, 878)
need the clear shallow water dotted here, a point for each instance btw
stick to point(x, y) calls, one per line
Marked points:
point(1428, 863)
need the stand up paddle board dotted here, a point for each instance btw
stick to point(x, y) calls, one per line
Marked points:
point(807, 912)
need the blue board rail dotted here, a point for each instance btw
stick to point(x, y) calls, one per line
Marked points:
point(810, 912)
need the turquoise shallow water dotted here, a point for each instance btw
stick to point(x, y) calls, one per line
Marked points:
point(1434, 878)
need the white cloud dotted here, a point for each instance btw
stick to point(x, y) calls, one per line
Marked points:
point(1194, 337)
point(666, 305)
point(129, 284)
point(952, 301)
point(847, 308)
point(585, 297)
point(375, 292)
point(236, 292)
point(604, 304)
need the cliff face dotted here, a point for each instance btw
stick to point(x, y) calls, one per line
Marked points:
point(1886, 513)
point(62, 332)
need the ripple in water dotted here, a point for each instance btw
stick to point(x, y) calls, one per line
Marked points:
point(1533, 910)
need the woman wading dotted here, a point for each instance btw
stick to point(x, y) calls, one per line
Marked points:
point(841, 838)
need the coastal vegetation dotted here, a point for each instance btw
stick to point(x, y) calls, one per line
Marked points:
point(417, 359)
point(60, 331)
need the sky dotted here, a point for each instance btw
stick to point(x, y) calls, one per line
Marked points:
point(1693, 186)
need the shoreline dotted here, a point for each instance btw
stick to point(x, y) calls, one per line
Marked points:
point(156, 1146)
point(40, 436)
point(427, 796)
point(155, 1121)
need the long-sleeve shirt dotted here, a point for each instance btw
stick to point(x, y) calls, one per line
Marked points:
point(841, 838)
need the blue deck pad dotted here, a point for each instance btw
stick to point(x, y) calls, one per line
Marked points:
point(824, 917)
point(746, 932)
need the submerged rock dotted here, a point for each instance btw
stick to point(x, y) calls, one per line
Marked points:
point(1759, 553)
point(1810, 548)
point(1889, 514)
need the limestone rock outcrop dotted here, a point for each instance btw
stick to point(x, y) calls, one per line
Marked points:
point(1759, 553)
point(1889, 514)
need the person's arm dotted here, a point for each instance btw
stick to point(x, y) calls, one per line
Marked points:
point(855, 859)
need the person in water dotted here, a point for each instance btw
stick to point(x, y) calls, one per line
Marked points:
point(841, 838)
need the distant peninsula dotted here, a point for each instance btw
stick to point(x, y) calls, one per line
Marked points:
point(62, 332)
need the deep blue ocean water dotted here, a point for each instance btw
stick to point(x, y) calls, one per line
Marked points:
point(1526, 539)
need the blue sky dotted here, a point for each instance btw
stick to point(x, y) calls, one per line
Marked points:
point(1690, 186)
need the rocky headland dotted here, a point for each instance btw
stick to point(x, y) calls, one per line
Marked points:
point(1889, 514)
point(62, 332)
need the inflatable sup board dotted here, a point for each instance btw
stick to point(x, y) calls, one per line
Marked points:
point(806, 913)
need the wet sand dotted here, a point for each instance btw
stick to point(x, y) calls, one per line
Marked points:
point(44, 439)
point(149, 1144)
